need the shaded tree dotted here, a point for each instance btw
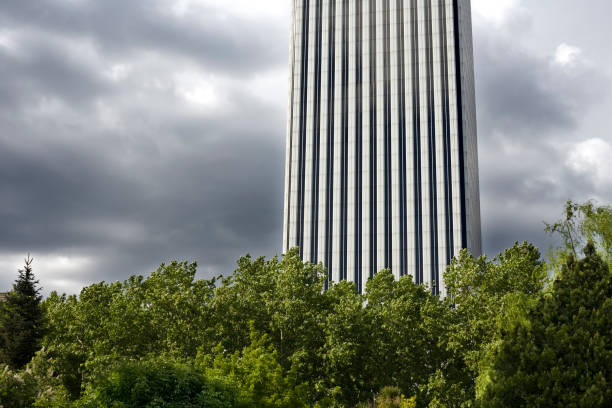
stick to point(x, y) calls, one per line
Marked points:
point(159, 383)
point(561, 355)
point(21, 320)
point(17, 389)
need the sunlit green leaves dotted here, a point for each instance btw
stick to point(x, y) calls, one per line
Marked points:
point(276, 334)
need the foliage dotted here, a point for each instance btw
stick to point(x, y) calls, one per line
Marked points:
point(17, 388)
point(256, 372)
point(276, 333)
point(34, 386)
point(392, 397)
point(158, 383)
point(366, 336)
point(273, 332)
point(560, 356)
point(285, 301)
point(581, 224)
point(167, 313)
point(400, 310)
point(347, 357)
point(21, 320)
point(483, 297)
point(50, 391)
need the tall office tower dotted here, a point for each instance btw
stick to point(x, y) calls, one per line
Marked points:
point(382, 164)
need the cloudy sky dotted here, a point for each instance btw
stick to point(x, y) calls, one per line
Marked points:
point(136, 132)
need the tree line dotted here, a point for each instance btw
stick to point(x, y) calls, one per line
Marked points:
point(516, 330)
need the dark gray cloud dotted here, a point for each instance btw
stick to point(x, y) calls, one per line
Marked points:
point(531, 114)
point(135, 132)
point(204, 33)
point(131, 135)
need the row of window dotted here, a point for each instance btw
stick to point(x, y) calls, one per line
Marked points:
point(309, 68)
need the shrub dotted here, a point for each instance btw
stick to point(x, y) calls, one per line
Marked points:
point(17, 388)
point(159, 384)
point(391, 397)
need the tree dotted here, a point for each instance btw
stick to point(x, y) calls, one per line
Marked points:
point(17, 389)
point(255, 372)
point(348, 347)
point(560, 356)
point(21, 320)
point(159, 383)
point(407, 323)
point(482, 296)
point(285, 299)
point(168, 313)
point(579, 225)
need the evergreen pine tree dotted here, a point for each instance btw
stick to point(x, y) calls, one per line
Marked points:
point(21, 320)
point(561, 356)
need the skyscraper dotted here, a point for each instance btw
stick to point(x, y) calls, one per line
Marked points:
point(382, 163)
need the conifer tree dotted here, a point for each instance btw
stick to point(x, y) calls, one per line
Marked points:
point(21, 320)
point(560, 356)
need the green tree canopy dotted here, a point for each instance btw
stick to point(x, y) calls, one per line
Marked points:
point(482, 296)
point(167, 313)
point(278, 334)
point(583, 223)
point(282, 299)
point(561, 355)
point(256, 372)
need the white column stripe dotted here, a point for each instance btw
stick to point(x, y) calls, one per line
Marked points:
point(380, 131)
point(395, 119)
point(351, 203)
point(288, 149)
point(295, 132)
point(365, 174)
point(336, 237)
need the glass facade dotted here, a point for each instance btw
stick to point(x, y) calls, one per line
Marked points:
point(382, 163)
